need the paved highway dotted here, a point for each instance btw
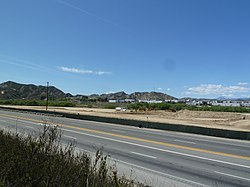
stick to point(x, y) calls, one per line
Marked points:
point(157, 158)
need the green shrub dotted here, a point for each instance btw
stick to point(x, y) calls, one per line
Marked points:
point(182, 106)
point(26, 102)
point(31, 161)
point(110, 106)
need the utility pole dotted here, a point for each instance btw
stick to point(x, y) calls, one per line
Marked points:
point(47, 99)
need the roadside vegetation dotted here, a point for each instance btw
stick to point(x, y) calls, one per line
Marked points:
point(27, 102)
point(42, 161)
point(132, 106)
point(181, 106)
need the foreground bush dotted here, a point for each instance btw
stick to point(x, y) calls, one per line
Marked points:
point(28, 161)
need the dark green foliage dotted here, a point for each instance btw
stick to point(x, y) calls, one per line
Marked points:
point(23, 102)
point(156, 106)
point(181, 106)
point(223, 109)
point(26, 102)
point(110, 106)
point(137, 106)
point(105, 105)
point(29, 161)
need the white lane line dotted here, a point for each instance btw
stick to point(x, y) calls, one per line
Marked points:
point(211, 138)
point(143, 155)
point(176, 134)
point(24, 121)
point(71, 137)
point(29, 127)
point(158, 149)
point(186, 181)
point(232, 175)
point(183, 141)
point(114, 130)
point(164, 133)
point(163, 174)
point(47, 124)
point(149, 147)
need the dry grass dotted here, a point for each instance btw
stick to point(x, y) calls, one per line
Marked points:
point(43, 162)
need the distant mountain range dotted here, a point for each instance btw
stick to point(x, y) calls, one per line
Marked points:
point(13, 90)
point(232, 99)
point(135, 96)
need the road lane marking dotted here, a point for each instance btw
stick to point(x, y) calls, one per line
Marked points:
point(232, 175)
point(29, 127)
point(158, 149)
point(71, 137)
point(172, 177)
point(174, 134)
point(183, 141)
point(163, 174)
point(157, 143)
point(140, 154)
point(136, 139)
point(30, 121)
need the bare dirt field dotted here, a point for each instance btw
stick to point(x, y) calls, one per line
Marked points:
point(221, 120)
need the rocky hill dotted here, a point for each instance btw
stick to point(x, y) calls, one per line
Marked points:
point(151, 96)
point(117, 95)
point(135, 95)
point(12, 90)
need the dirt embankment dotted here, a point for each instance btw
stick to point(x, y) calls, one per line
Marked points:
point(221, 120)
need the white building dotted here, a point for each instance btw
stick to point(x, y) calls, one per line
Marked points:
point(129, 100)
point(113, 101)
point(150, 101)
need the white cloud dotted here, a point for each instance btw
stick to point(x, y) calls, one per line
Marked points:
point(83, 71)
point(243, 83)
point(160, 89)
point(208, 89)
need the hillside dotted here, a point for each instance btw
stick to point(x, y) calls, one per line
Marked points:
point(135, 95)
point(151, 96)
point(117, 95)
point(12, 90)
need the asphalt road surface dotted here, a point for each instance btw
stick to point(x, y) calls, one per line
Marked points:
point(154, 157)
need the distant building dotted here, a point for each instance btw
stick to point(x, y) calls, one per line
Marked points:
point(226, 103)
point(116, 100)
point(245, 104)
point(172, 101)
point(150, 101)
point(129, 100)
point(113, 101)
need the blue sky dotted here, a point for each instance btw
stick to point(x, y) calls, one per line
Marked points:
point(185, 48)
